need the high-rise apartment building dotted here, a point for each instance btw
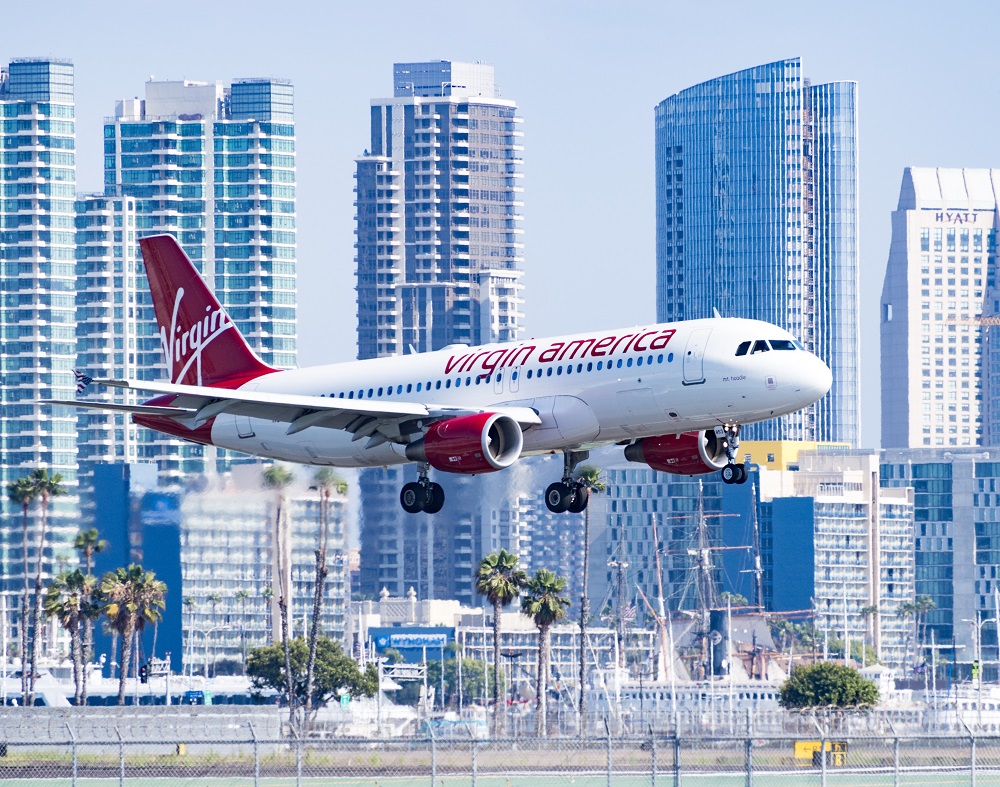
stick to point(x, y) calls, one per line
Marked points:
point(37, 284)
point(439, 249)
point(107, 266)
point(215, 166)
point(956, 543)
point(756, 216)
point(939, 303)
point(439, 262)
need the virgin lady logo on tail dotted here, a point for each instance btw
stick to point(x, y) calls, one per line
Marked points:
point(181, 347)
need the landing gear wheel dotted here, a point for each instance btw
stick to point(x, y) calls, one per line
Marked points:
point(731, 474)
point(435, 498)
point(580, 499)
point(744, 474)
point(559, 497)
point(413, 497)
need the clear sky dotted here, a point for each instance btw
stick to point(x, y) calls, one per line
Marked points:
point(586, 77)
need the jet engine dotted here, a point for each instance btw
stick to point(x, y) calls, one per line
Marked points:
point(470, 444)
point(691, 453)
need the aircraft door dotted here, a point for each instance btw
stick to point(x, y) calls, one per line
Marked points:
point(694, 356)
point(515, 374)
point(498, 381)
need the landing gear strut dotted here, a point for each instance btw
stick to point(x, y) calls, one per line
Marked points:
point(422, 494)
point(569, 494)
point(733, 472)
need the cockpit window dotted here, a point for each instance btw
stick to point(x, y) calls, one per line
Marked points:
point(782, 344)
point(759, 346)
point(742, 349)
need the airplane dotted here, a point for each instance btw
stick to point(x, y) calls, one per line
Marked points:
point(674, 395)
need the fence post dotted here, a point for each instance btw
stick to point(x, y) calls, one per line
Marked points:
point(749, 749)
point(121, 759)
point(434, 767)
point(652, 753)
point(677, 757)
point(475, 764)
point(256, 756)
point(72, 739)
point(607, 730)
point(298, 757)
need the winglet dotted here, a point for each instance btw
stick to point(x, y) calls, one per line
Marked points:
point(201, 344)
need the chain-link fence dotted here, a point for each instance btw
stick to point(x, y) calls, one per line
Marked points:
point(240, 757)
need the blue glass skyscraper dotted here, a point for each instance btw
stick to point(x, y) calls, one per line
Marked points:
point(215, 166)
point(37, 186)
point(756, 216)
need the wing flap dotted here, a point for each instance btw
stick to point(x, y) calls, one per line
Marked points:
point(139, 409)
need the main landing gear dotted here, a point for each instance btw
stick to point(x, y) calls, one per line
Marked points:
point(570, 494)
point(422, 495)
point(733, 472)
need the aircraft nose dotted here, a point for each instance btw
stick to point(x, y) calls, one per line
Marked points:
point(814, 378)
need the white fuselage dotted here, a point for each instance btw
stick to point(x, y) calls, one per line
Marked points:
point(588, 389)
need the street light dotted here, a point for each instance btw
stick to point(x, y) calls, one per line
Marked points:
point(511, 656)
point(977, 667)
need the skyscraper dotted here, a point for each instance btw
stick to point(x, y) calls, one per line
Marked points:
point(756, 203)
point(215, 166)
point(439, 262)
point(37, 187)
point(939, 302)
point(440, 257)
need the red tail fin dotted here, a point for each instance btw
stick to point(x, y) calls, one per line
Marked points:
point(201, 345)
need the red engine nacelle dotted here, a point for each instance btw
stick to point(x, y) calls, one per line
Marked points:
point(691, 453)
point(481, 443)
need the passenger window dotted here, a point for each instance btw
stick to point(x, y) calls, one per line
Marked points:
point(629, 362)
point(409, 387)
point(448, 383)
point(379, 391)
point(569, 369)
point(743, 348)
point(371, 392)
point(399, 389)
point(458, 382)
point(639, 361)
point(759, 346)
point(600, 365)
point(782, 344)
point(590, 367)
point(619, 363)
point(350, 395)
point(437, 385)
point(549, 372)
point(529, 374)
point(419, 385)
point(579, 368)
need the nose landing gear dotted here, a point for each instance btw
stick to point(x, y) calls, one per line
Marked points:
point(570, 494)
point(422, 495)
point(733, 472)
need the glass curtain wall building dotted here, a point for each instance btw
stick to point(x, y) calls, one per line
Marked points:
point(213, 165)
point(37, 189)
point(756, 216)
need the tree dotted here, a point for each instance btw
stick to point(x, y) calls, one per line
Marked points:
point(46, 486)
point(826, 684)
point(66, 601)
point(734, 599)
point(543, 603)
point(88, 543)
point(243, 596)
point(917, 609)
point(500, 580)
point(277, 477)
point(336, 673)
point(23, 493)
point(132, 597)
point(213, 599)
point(589, 476)
point(325, 481)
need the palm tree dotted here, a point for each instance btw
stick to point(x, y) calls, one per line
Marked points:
point(243, 596)
point(47, 486)
point(66, 601)
point(544, 604)
point(277, 477)
point(324, 481)
point(589, 476)
point(23, 493)
point(500, 580)
point(213, 599)
point(132, 597)
point(88, 543)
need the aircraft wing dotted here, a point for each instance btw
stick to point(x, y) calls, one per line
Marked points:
point(379, 420)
